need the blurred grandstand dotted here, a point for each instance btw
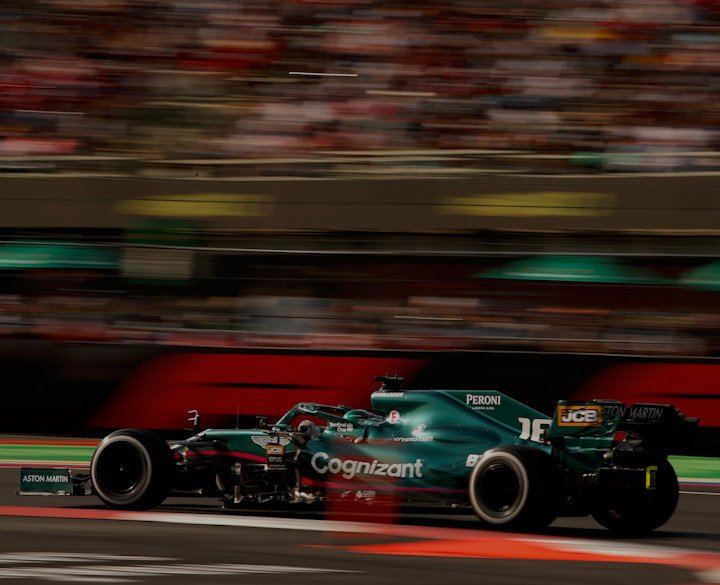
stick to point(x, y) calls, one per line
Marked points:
point(341, 89)
point(223, 87)
point(555, 304)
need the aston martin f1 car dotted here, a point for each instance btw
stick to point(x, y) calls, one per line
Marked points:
point(516, 468)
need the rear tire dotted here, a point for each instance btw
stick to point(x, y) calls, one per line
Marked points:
point(515, 488)
point(132, 469)
point(640, 511)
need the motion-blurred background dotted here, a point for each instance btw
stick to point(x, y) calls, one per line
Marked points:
point(517, 195)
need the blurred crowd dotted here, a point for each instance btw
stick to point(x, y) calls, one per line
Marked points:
point(585, 84)
point(418, 323)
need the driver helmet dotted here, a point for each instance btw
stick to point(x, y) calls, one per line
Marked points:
point(308, 427)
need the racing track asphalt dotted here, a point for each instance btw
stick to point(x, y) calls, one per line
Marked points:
point(192, 541)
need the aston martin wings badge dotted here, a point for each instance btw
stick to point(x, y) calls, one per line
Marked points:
point(264, 440)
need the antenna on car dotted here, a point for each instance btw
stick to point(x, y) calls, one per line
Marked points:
point(389, 383)
point(195, 420)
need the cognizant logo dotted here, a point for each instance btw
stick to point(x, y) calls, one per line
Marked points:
point(323, 463)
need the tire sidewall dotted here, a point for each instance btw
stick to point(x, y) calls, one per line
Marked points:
point(152, 485)
point(512, 462)
point(642, 512)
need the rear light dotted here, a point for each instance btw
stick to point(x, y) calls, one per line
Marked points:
point(619, 437)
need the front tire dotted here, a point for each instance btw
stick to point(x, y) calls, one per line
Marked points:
point(641, 511)
point(132, 469)
point(515, 488)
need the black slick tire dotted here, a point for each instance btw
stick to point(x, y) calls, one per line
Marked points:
point(515, 487)
point(640, 511)
point(132, 469)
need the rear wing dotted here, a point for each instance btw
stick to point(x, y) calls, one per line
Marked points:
point(662, 426)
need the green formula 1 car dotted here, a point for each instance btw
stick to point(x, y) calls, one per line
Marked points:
point(516, 468)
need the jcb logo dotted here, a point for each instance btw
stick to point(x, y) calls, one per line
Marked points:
point(579, 415)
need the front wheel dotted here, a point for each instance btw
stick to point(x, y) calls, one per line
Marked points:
point(515, 488)
point(640, 511)
point(132, 469)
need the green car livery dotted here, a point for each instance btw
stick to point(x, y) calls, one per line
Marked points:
point(512, 465)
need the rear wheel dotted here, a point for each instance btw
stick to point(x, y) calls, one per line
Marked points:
point(516, 488)
point(132, 469)
point(625, 512)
